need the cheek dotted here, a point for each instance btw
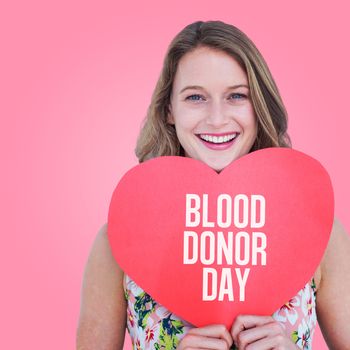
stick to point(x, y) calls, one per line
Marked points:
point(250, 121)
point(249, 125)
point(187, 119)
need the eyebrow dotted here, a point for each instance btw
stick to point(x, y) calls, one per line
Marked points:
point(201, 88)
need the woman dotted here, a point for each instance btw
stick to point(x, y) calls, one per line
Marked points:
point(215, 101)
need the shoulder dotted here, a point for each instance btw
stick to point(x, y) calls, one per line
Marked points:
point(337, 251)
point(101, 267)
point(102, 318)
point(101, 242)
point(101, 256)
point(333, 298)
point(338, 248)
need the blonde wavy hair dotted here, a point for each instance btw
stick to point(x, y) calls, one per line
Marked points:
point(158, 137)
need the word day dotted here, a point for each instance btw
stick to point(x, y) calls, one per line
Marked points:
point(235, 249)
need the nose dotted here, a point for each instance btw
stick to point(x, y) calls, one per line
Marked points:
point(217, 117)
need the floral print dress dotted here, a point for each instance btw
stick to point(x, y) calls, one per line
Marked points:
point(152, 326)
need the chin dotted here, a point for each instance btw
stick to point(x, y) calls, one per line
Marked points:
point(218, 167)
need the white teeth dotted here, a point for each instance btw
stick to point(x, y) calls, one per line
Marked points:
point(218, 139)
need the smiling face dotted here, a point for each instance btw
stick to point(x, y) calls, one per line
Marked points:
point(211, 108)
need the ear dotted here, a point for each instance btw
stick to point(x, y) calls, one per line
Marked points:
point(170, 118)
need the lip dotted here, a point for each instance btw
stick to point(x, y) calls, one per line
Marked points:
point(218, 146)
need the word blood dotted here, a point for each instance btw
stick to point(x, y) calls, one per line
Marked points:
point(240, 211)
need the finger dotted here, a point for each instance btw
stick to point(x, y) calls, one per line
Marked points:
point(192, 341)
point(272, 343)
point(259, 332)
point(213, 331)
point(243, 322)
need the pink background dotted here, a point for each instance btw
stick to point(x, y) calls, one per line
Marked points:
point(76, 80)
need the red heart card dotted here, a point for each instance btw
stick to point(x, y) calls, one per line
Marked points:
point(210, 246)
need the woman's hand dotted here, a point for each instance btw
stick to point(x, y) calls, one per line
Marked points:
point(260, 333)
point(215, 337)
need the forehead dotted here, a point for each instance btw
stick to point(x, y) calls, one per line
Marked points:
point(208, 68)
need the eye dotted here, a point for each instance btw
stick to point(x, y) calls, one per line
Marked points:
point(195, 97)
point(237, 96)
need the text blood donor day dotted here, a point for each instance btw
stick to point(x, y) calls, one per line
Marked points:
point(238, 242)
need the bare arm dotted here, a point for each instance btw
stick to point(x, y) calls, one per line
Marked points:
point(103, 307)
point(333, 296)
